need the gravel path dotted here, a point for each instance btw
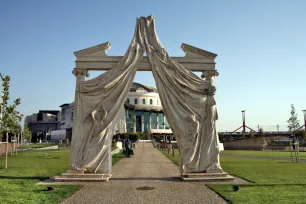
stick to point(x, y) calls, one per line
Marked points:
point(148, 167)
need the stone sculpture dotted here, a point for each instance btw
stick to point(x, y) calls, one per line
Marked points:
point(187, 100)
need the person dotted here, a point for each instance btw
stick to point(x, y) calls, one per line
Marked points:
point(131, 152)
point(126, 148)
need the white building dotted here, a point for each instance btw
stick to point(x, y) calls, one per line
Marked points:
point(144, 110)
point(141, 112)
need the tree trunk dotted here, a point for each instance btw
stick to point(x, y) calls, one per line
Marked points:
point(6, 151)
point(17, 144)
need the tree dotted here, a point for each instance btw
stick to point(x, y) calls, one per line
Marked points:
point(27, 133)
point(251, 133)
point(293, 122)
point(10, 116)
point(243, 134)
point(261, 132)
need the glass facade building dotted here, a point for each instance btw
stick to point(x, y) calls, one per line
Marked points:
point(143, 110)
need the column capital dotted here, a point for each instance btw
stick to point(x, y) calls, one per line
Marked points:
point(209, 74)
point(80, 72)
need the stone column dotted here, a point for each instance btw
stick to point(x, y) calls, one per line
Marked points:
point(142, 121)
point(134, 121)
point(80, 76)
point(150, 122)
point(157, 122)
point(210, 77)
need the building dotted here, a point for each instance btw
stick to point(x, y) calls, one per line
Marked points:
point(144, 110)
point(42, 123)
point(67, 119)
point(141, 112)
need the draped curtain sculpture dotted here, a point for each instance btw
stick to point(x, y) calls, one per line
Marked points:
point(187, 100)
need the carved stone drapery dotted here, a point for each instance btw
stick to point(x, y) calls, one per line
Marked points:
point(179, 89)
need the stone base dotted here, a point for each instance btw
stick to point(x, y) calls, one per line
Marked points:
point(206, 176)
point(82, 177)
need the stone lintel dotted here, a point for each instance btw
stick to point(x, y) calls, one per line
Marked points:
point(95, 58)
point(100, 49)
point(194, 52)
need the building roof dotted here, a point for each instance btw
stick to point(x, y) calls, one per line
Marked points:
point(139, 107)
point(65, 104)
point(49, 111)
point(137, 86)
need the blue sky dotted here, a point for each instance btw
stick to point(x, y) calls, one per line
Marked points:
point(261, 47)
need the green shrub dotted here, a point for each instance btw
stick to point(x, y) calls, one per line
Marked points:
point(134, 136)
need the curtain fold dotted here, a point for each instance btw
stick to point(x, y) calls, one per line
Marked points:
point(189, 106)
point(187, 100)
point(98, 104)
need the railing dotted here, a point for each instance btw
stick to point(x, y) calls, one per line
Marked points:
point(154, 143)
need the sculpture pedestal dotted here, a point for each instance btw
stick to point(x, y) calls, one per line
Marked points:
point(81, 176)
point(206, 177)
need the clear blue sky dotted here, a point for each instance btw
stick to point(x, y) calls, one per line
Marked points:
point(261, 47)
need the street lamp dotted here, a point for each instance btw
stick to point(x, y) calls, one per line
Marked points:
point(243, 120)
point(304, 111)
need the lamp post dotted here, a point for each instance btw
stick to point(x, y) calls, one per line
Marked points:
point(243, 120)
point(304, 111)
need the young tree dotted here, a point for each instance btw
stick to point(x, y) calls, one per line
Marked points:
point(293, 122)
point(261, 132)
point(243, 134)
point(27, 133)
point(10, 116)
point(251, 133)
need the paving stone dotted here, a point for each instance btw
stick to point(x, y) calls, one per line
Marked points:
point(146, 177)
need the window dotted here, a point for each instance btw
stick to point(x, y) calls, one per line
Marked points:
point(151, 101)
point(130, 120)
point(128, 100)
point(135, 101)
point(153, 120)
point(161, 121)
point(146, 121)
point(144, 101)
point(166, 123)
point(138, 121)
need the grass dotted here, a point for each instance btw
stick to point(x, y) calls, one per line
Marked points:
point(17, 183)
point(270, 154)
point(272, 181)
point(36, 145)
point(113, 148)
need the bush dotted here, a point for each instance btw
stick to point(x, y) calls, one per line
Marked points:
point(251, 133)
point(261, 132)
point(243, 135)
point(133, 136)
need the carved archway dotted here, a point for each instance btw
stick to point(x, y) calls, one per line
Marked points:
point(197, 116)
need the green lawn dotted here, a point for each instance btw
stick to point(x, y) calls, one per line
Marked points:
point(271, 181)
point(36, 145)
point(271, 154)
point(17, 183)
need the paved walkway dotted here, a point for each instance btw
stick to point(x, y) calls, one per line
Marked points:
point(148, 167)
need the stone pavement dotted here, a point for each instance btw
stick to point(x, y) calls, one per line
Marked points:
point(148, 167)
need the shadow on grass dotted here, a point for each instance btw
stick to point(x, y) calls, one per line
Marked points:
point(48, 157)
point(175, 179)
point(118, 157)
point(24, 178)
